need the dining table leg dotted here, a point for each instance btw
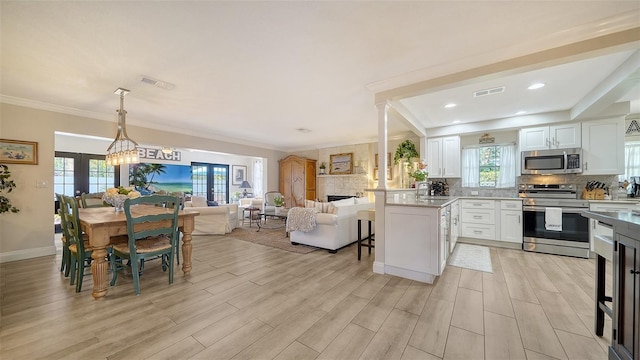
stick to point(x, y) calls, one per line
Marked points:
point(187, 229)
point(99, 272)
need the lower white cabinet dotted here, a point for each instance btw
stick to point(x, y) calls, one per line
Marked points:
point(497, 220)
point(415, 246)
point(454, 225)
point(478, 219)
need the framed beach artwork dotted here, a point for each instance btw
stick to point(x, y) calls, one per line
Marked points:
point(238, 174)
point(18, 152)
point(341, 164)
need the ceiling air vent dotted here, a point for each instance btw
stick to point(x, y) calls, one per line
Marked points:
point(491, 91)
point(157, 83)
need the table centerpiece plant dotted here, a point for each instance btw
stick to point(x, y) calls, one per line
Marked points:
point(117, 196)
point(278, 201)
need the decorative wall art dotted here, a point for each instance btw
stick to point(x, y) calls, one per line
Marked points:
point(389, 173)
point(389, 163)
point(18, 152)
point(238, 174)
point(341, 164)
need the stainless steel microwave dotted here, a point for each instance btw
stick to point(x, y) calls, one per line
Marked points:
point(544, 162)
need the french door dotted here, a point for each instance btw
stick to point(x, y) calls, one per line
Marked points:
point(211, 181)
point(75, 173)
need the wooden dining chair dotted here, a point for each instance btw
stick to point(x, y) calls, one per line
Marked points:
point(92, 200)
point(77, 242)
point(149, 236)
point(64, 265)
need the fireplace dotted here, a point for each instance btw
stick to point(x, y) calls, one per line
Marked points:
point(331, 198)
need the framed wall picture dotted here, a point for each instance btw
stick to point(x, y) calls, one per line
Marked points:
point(341, 164)
point(18, 152)
point(389, 173)
point(238, 174)
point(388, 160)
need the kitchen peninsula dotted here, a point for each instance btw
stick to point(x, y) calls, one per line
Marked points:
point(416, 235)
point(625, 342)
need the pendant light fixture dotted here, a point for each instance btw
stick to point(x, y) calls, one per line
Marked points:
point(122, 150)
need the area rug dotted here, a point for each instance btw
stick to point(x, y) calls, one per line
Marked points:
point(274, 236)
point(474, 257)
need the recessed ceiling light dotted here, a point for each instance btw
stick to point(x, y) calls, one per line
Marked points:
point(536, 86)
point(455, 122)
point(521, 112)
point(303, 130)
point(450, 105)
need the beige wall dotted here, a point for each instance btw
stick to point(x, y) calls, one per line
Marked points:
point(30, 232)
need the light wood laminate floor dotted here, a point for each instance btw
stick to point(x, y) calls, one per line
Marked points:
point(247, 301)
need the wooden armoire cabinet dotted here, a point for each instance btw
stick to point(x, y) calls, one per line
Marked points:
point(297, 180)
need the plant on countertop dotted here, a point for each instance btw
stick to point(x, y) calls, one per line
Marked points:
point(278, 201)
point(405, 151)
point(6, 184)
point(420, 173)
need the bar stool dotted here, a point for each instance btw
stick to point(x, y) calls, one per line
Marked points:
point(603, 247)
point(369, 216)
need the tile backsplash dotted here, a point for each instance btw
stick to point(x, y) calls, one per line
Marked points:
point(456, 189)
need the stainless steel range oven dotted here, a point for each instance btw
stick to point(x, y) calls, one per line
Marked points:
point(551, 220)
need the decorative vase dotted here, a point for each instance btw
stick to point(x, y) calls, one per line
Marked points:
point(117, 201)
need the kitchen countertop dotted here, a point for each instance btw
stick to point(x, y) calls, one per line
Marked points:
point(626, 223)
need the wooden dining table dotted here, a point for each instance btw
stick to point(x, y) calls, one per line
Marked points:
point(103, 223)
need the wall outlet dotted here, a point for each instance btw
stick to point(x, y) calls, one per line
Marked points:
point(474, 192)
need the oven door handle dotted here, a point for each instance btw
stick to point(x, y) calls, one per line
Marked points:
point(564, 210)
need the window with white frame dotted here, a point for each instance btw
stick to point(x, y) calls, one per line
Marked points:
point(631, 160)
point(492, 166)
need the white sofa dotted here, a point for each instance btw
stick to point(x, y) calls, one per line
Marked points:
point(213, 220)
point(334, 231)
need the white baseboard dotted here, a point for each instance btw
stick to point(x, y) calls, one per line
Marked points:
point(378, 267)
point(27, 254)
point(410, 274)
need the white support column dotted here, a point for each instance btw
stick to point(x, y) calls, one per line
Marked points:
point(380, 192)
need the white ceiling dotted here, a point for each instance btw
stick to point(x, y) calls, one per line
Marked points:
point(257, 71)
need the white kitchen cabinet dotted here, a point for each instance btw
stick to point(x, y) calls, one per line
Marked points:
point(455, 225)
point(511, 221)
point(414, 241)
point(443, 157)
point(563, 136)
point(478, 219)
point(603, 147)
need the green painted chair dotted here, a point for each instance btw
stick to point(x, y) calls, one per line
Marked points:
point(64, 266)
point(77, 242)
point(150, 236)
point(92, 200)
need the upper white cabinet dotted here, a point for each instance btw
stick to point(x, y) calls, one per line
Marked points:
point(603, 147)
point(443, 157)
point(563, 136)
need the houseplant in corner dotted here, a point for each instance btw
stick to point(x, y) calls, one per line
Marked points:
point(405, 151)
point(6, 184)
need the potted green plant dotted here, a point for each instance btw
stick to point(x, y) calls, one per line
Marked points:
point(6, 186)
point(405, 151)
point(278, 201)
point(323, 166)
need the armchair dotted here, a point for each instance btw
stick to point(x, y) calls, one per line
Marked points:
point(269, 197)
point(216, 220)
